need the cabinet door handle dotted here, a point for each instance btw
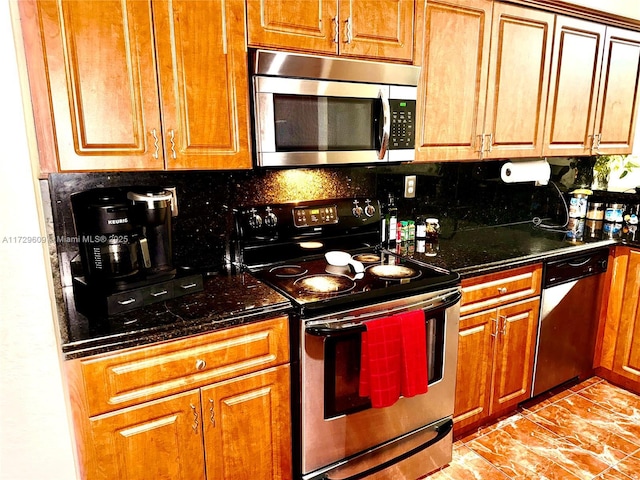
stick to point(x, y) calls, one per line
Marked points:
point(196, 420)
point(156, 144)
point(336, 30)
point(212, 413)
point(494, 327)
point(480, 141)
point(503, 320)
point(490, 142)
point(172, 140)
point(347, 30)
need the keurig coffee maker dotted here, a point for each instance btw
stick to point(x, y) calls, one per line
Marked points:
point(124, 238)
point(150, 214)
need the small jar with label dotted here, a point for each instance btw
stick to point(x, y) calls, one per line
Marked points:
point(432, 228)
point(614, 213)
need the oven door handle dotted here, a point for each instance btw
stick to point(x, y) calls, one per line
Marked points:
point(443, 431)
point(351, 325)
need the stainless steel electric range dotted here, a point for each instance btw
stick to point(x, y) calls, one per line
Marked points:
point(325, 257)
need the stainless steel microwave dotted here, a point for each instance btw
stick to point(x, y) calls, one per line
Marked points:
point(312, 111)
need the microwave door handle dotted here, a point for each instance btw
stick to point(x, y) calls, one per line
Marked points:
point(386, 125)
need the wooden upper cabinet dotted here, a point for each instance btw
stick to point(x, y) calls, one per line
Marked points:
point(378, 29)
point(573, 90)
point(307, 25)
point(484, 81)
point(204, 83)
point(453, 81)
point(99, 61)
point(618, 98)
point(520, 60)
point(138, 85)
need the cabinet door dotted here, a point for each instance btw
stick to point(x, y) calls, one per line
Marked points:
point(159, 440)
point(453, 80)
point(377, 28)
point(307, 25)
point(515, 351)
point(102, 84)
point(627, 353)
point(204, 83)
point(521, 41)
point(618, 99)
point(247, 427)
point(573, 88)
point(473, 377)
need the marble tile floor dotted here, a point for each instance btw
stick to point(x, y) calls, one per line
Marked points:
point(588, 431)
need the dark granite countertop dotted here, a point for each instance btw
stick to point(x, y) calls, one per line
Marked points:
point(235, 299)
point(227, 300)
point(478, 250)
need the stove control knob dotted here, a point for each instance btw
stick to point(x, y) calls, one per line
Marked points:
point(270, 220)
point(255, 221)
point(357, 211)
point(369, 210)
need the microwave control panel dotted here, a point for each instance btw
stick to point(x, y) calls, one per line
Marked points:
point(403, 114)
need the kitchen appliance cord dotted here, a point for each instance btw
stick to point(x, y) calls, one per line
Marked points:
point(537, 221)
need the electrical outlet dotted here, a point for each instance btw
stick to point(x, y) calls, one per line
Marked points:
point(410, 186)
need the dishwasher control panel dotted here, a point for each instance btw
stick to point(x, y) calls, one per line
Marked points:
point(574, 267)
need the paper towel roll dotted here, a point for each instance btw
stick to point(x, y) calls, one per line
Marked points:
point(537, 171)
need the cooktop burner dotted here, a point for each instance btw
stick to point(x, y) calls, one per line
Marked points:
point(288, 271)
point(325, 284)
point(394, 272)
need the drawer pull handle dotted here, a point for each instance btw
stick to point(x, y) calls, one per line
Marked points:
point(196, 421)
point(187, 287)
point(127, 302)
point(502, 290)
point(159, 294)
point(200, 364)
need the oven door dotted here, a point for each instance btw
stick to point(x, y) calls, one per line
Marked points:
point(339, 426)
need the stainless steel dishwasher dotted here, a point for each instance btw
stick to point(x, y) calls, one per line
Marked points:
point(571, 293)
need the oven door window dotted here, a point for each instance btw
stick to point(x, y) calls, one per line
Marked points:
point(315, 123)
point(342, 366)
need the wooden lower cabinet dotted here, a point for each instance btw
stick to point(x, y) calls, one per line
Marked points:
point(496, 351)
point(246, 425)
point(620, 354)
point(214, 406)
point(154, 441)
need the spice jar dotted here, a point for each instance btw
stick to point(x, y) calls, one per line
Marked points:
point(432, 228)
point(595, 211)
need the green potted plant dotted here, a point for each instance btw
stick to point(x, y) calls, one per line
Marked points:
point(605, 165)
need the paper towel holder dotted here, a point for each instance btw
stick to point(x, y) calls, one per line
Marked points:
point(537, 171)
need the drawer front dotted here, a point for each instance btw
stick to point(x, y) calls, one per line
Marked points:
point(138, 375)
point(494, 290)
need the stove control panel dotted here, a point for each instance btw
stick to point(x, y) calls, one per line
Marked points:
point(344, 216)
point(308, 216)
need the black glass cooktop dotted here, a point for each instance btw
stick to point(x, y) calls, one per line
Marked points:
point(314, 283)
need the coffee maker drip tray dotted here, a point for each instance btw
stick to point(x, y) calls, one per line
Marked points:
point(95, 303)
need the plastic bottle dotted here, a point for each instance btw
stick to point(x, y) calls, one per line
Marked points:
point(391, 222)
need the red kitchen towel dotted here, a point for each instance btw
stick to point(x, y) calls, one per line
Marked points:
point(414, 373)
point(380, 361)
